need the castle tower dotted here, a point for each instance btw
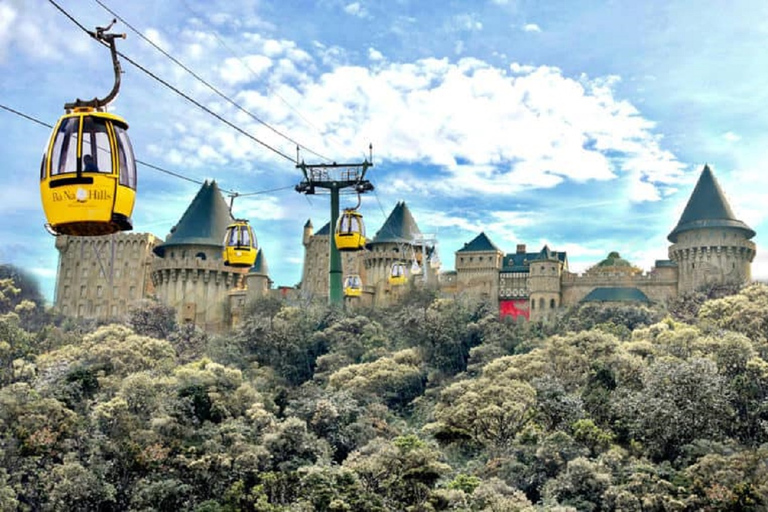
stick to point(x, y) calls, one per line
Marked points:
point(101, 277)
point(394, 242)
point(477, 268)
point(189, 273)
point(315, 277)
point(544, 284)
point(709, 244)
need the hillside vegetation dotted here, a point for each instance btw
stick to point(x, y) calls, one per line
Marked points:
point(432, 405)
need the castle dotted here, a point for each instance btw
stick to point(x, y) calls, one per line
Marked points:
point(101, 277)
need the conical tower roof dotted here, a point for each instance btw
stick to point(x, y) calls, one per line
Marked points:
point(260, 265)
point(204, 222)
point(399, 227)
point(708, 208)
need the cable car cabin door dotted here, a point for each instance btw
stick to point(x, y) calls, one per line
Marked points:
point(88, 175)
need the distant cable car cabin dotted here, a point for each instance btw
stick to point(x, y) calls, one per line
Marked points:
point(397, 275)
point(240, 247)
point(350, 231)
point(353, 286)
point(88, 173)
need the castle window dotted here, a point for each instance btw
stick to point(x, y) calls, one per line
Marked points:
point(200, 255)
point(533, 303)
point(132, 292)
point(552, 304)
point(82, 291)
point(99, 291)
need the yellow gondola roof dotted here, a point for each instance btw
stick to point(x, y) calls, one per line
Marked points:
point(203, 223)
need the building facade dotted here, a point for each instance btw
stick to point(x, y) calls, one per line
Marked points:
point(102, 277)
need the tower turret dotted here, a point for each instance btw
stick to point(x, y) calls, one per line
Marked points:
point(544, 284)
point(307, 233)
point(709, 244)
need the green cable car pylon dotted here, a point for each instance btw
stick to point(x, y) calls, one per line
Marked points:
point(335, 177)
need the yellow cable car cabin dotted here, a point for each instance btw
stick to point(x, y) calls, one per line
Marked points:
point(350, 231)
point(353, 286)
point(240, 248)
point(397, 274)
point(88, 175)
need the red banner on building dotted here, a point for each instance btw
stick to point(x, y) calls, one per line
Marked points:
point(515, 308)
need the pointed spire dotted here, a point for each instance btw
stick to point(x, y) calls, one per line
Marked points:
point(260, 265)
point(399, 226)
point(203, 223)
point(708, 208)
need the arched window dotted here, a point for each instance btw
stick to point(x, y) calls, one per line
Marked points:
point(552, 304)
point(200, 255)
point(533, 303)
point(541, 303)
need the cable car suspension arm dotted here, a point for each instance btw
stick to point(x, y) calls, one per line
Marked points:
point(106, 39)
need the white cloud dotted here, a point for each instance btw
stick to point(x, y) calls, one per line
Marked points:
point(375, 55)
point(760, 264)
point(466, 23)
point(490, 131)
point(731, 137)
point(531, 27)
point(355, 9)
point(234, 71)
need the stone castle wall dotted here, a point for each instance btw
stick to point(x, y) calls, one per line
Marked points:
point(712, 256)
point(102, 277)
point(194, 281)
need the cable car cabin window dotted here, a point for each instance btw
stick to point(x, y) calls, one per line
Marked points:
point(357, 226)
point(245, 237)
point(125, 158)
point(64, 155)
point(231, 240)
point(344, 226)
point(96, 152)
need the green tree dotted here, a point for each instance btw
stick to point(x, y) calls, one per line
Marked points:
point(680, 401)
point(490, 410)
point(152, 318)
point(402, 472)
point(395, 380)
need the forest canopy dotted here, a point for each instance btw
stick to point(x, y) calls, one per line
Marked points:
point(435, 404)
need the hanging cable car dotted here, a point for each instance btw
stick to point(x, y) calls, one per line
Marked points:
point(88, 173)
point(350, 230)
point(240, 247)
point(397, 275)
point(353, 286)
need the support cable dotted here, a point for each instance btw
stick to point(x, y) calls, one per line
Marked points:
point(178, 91)
point(205, 83)
point(147, 164)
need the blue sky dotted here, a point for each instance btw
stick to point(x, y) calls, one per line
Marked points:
point(582, 125)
